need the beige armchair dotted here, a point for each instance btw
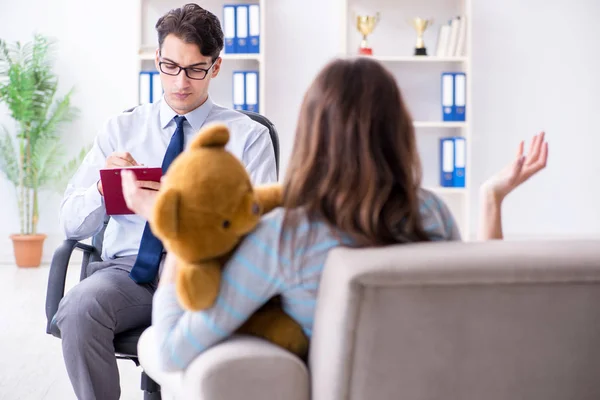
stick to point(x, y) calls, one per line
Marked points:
point(469, 321)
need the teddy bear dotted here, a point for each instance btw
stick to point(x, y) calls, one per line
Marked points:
point(205, 207)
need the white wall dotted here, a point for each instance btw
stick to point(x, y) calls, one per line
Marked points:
point(301, 41)
point(96, 53)
point(534, 67)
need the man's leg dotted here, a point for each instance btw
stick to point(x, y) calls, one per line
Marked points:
point(105, 303)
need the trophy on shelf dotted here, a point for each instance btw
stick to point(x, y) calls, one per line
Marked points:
point(365, 25)
point(420, 26)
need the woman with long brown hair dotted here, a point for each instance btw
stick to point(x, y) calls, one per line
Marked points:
point(354, 179)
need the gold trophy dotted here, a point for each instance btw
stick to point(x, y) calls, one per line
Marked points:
point(420, 26)
point(365, 25)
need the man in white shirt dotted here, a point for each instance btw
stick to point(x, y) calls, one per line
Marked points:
point(117, 294)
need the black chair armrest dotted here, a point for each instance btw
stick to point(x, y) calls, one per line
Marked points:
point(58, 275)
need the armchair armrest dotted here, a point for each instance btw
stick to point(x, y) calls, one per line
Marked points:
point(58, 275)
point(240, 367)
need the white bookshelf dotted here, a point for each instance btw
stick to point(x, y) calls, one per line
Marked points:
point(439, 124)
point(221, 90)
point(417, 59)
point(419, 77)
point(147, 55)
point(446, 190)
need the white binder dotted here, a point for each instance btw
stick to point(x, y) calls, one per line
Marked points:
point(462, 37)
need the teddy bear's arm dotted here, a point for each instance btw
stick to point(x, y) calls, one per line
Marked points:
point(269, 196)
point(198, 284)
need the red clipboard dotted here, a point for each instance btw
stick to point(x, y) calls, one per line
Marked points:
point(113, 191)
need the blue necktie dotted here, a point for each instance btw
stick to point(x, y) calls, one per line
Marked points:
point(148, 259)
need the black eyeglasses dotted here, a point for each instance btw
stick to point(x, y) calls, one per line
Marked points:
point(196, 73)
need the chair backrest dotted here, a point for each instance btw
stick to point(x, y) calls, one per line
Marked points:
point(494, 320)
point(261, 119)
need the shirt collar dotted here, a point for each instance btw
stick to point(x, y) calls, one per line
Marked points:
point(195, 117)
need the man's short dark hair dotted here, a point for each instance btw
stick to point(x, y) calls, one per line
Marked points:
point(193, 24)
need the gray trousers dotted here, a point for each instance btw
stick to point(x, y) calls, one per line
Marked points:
point(105, 303)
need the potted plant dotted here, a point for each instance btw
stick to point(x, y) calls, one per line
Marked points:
point(32, 158)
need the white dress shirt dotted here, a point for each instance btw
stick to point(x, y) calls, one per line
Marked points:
point(145, 133)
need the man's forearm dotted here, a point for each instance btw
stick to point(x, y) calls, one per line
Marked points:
point(82, 213)
point(490, 227)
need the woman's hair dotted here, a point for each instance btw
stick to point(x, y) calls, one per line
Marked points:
point(355, 163)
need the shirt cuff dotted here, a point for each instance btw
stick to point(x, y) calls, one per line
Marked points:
point(93, 197)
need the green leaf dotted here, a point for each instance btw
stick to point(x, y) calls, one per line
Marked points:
point(9, 163)
point(61, 177)
point(29, 88)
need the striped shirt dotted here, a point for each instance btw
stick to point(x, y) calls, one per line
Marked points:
point(268, 262)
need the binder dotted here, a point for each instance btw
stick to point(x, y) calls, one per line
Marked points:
point(453, 39)
point(460, 96)
point(443, 39)
point(447, 96)
point(252, 91)
point(460, 159)
point(145, 87)
point(229, 28)
point(253, 28)
point(462, 37)
point(241, 28)
point(239, 90)
point(157, 89)
point(454, 96)
point(447, 162)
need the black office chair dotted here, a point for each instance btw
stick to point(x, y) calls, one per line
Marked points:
point(126, 342)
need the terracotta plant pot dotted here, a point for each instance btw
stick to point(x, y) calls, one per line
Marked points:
point(28, 249)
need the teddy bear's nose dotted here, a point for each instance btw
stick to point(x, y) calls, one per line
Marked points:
point(255, 209)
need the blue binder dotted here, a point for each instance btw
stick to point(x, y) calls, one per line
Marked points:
point(454, 96)
point(229, 27)
point(252, 91)
point(241, 28)
point(239, 90)
point(460, 160)
point(156, 89)
point(453, 158)
point(447, 96)
point(447, 162)
point(145, 87)
point(460, 96)
point(253, 28)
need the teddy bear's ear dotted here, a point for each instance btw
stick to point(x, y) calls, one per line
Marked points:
point(213, 135)
point(165, 221)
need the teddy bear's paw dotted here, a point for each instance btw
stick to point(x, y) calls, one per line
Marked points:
point(270, 196)
point(277, 327)
point(289, 335)
point(198, 286)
